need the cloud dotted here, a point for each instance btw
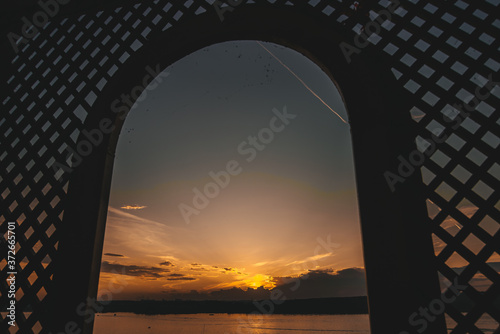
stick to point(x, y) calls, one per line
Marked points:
point(166, 263)
point(348, 282)
point(259, 264)
point(113, 254)
point(180, 277)
point(494, 265)
point(324, 283)
point(133, 270)
point(479, 281)
point(313, 258)
point(176, 275)
point(133, 207)
point(142, 237)
point(468, 210)
point(199, 269)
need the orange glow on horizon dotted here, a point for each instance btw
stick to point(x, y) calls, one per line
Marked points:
point(260, 280)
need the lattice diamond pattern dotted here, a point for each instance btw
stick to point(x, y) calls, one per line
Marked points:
point(442, 52)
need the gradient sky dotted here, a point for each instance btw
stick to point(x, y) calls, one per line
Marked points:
point(268, 225)
point(265, 225)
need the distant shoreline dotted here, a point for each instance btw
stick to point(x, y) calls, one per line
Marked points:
point(338, 305)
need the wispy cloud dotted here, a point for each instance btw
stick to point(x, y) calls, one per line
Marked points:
point(133, 207)
point(311, 259)
point(180, 277)
point(140, 237)
point(199, 269)
point(468, 210)
point(267, 263)
point(260, 264)
point(113, 254)
point(133, 270)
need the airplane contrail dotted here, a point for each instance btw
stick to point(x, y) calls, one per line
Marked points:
point(303, 83)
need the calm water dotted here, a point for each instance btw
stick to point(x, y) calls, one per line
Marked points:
point(128, 323)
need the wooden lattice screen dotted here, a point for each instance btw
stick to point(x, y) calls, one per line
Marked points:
point(441, 52)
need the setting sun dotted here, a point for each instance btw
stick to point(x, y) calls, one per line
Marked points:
point(260, 281)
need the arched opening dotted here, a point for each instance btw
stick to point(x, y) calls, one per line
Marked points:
point(234, 181)
point(80, 230)
point(380, 133)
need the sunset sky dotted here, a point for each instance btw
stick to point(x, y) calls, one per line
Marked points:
point(290, 215)
point(292, 209)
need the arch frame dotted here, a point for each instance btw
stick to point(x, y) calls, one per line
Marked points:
point(399, 260)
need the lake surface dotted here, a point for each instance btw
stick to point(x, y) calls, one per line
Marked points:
point(130, 323)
